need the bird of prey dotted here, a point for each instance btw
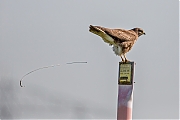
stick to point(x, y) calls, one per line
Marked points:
point(121, 40)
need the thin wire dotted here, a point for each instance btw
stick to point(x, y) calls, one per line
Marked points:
point(44, 68)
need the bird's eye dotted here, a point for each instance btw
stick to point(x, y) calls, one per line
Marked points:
point(140, 31)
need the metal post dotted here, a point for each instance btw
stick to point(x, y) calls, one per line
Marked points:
point(125, 91)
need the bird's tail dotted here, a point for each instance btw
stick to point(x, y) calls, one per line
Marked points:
point(100, 31)
point(96, 30)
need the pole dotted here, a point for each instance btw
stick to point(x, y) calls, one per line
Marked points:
point(125, 91)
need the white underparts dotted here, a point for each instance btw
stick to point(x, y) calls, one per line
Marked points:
point(117, 50)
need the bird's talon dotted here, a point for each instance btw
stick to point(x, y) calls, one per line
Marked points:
point(126, 61)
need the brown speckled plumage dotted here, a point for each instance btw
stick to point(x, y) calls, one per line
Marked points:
point(122, 40)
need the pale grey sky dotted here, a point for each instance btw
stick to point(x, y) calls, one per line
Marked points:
point(37, 33)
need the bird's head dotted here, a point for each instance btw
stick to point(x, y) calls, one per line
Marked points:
point(139, 31)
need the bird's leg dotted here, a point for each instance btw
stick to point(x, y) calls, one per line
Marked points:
point(126, 60)
point(122, 58)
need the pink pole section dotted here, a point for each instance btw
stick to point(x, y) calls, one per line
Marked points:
point(125, 96)
point(125, 91)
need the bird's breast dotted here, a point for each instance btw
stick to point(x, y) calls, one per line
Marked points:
point(117, 50)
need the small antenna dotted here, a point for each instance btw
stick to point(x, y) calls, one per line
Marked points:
point(44, 68)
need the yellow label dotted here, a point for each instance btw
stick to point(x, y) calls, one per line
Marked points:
point(125, 74)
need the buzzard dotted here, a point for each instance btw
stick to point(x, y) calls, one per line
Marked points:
point(121, 40)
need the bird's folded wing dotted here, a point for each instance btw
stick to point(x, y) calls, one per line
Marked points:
point(121, 35)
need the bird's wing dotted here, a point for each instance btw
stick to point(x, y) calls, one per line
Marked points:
point(121, 35)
